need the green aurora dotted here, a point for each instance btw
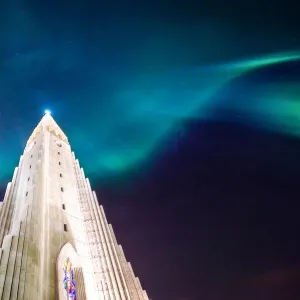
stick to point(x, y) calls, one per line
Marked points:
point(146, 108)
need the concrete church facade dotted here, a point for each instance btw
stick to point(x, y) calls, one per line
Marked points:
point(55, 241)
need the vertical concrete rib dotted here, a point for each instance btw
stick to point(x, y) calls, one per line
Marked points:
point(10, 268)
point(44, 243)
point(108, 242)
point(94, 241)
point(145, 295)
point(5, 205)
point(129, 279)
point(7, 242)
point(134, 279)
point(114, 288)
point(139, 288)
point(115, 247)
point(32, 261)
point(7, 209)
point(24, 260)
point(89, 225)
point(17, 270)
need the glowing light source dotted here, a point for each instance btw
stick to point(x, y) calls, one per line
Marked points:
point(47, 112)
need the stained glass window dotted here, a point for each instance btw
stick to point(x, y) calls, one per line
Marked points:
point(69, 282)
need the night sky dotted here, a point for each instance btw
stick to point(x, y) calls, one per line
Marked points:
point(186, 119)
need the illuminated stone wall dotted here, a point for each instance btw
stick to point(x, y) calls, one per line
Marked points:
point(49, 213)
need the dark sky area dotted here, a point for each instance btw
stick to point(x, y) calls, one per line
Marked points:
point(186, 118)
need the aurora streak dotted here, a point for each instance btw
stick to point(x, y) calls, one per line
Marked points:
point(122, 132)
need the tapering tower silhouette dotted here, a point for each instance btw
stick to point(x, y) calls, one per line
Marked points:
point(55, 240)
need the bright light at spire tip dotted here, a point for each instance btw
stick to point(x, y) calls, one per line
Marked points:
point(47, 112)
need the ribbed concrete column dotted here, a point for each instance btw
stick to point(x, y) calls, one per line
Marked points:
point(129, 279)
point(7, 242)
point(45, 248)
point(87, 217)
point(10, 200)
point(97, 249)
point(138, 289)
point(110, 243)
point(115, 247)
point(3, 211)
point(114, 289)
point(91, 232)
point(30, 271)
point(33, 283)
point(102, 245)
point(7, 207)
point(10, 268)
point(17, 268)
point(22, 277)
point(145, 295)
point(103, 223)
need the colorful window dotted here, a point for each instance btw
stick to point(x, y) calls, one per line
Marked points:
point(69, 282)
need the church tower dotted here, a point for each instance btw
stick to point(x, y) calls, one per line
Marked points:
point(55, 241)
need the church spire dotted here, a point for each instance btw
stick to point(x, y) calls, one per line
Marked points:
point(47, 123)
point(47, 120)
point(55, 240)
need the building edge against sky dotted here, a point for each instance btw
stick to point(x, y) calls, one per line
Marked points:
point(55, 240)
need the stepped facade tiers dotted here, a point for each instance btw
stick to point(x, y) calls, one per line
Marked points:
point(55, 242)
